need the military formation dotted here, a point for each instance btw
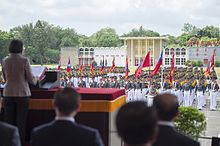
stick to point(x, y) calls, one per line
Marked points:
point(189, 84)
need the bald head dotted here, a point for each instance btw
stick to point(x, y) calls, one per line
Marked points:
point(166, 106)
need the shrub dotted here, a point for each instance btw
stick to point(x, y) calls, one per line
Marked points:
point(190, 121)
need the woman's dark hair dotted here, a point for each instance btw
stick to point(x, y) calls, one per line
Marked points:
point(16, 46)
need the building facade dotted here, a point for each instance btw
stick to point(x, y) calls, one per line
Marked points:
point(85, 55)
point(203, 53)
point(180, 56)
point(137, 48)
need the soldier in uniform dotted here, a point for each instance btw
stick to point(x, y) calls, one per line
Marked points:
point(200, 90)
point(106, 82)
point(93, 83)
point(81, 83)
point(101, 83)
point(186, 98)
point(129, 87)
point(138, 88)
point(213, 95)
point(151, 93)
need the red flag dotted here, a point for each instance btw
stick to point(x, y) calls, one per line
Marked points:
point(159, 63)
point(172, 68)
point(145, 63)
point(113, 65)
point(81, 68)
point(68, 65)
point(126, 68)
point(101, 70)
point(92, 67)
point(211, 63)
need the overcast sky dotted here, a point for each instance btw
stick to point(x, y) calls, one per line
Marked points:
point(88, 16)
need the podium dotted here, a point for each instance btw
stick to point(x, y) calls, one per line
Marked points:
point(98, 110)
point(46, 79)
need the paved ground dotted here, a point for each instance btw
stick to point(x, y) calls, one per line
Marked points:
point(213, 123)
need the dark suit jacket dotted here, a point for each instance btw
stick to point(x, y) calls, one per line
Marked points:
point(168, 136)
point(65, 133)
point(9, 135)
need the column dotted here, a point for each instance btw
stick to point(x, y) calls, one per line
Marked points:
point(139, 54)
point(154, 52)
point(132, 53)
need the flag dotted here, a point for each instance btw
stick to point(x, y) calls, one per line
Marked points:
point(81, 68)
point(126, 68)
point(68, 66)
point(113, 65)
point(159, 63)
point(92, 67)
point(101, 70)
point(145, 63)
point(172, 68)
point(58, 68)
point(211, 64)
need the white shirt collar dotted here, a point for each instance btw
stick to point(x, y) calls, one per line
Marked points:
point(66, 119)
point(166, 123)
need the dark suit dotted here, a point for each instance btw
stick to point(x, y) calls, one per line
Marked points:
point(82, 84)
point(9, 135)
point(65, 133)
point(168, 136)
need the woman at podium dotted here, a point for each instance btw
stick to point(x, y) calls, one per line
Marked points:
point(17, 74)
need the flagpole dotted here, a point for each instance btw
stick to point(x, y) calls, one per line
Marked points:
point(162, 70)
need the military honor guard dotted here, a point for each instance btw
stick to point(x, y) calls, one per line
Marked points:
point(93, 83)
point(213, 95)
point(151, 94)
point(200, 90)
point(186, 97)
point(81, 83)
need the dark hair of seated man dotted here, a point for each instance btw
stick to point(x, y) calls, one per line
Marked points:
point(166, 106)
point(136, 124)
point(66, 101)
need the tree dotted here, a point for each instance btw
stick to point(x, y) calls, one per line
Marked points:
point(141, 32)
point(106, 37)
point(69, 38)
point(199, 63)
point(5, 38)
point(188, 28)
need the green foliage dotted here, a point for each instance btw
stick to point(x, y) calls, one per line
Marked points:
point(5, 38)
point(106, 37)
point(194, 64)
point(190, 121)
point(199, 63)
point(141, 32)
point(217, 63)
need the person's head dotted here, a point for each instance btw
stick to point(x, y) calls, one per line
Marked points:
point(166, 106)
point(16, 46)
point(66, 101)
point(136, 123)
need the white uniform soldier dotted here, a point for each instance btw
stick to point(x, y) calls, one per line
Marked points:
point(200, 90)
point(213, 95)
point(186, 98)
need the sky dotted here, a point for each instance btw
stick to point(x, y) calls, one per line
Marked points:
point(89, 16)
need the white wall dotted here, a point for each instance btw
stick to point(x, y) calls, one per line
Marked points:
point(109, 52)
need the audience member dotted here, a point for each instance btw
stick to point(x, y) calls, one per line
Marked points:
point(167, 109)
point(136, 124)
point(9, 135)
point(64, 131)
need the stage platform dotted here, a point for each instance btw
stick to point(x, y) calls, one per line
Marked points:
point(98, 109)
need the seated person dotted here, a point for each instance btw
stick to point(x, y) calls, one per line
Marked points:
point(136, 124)
point(64, 131)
